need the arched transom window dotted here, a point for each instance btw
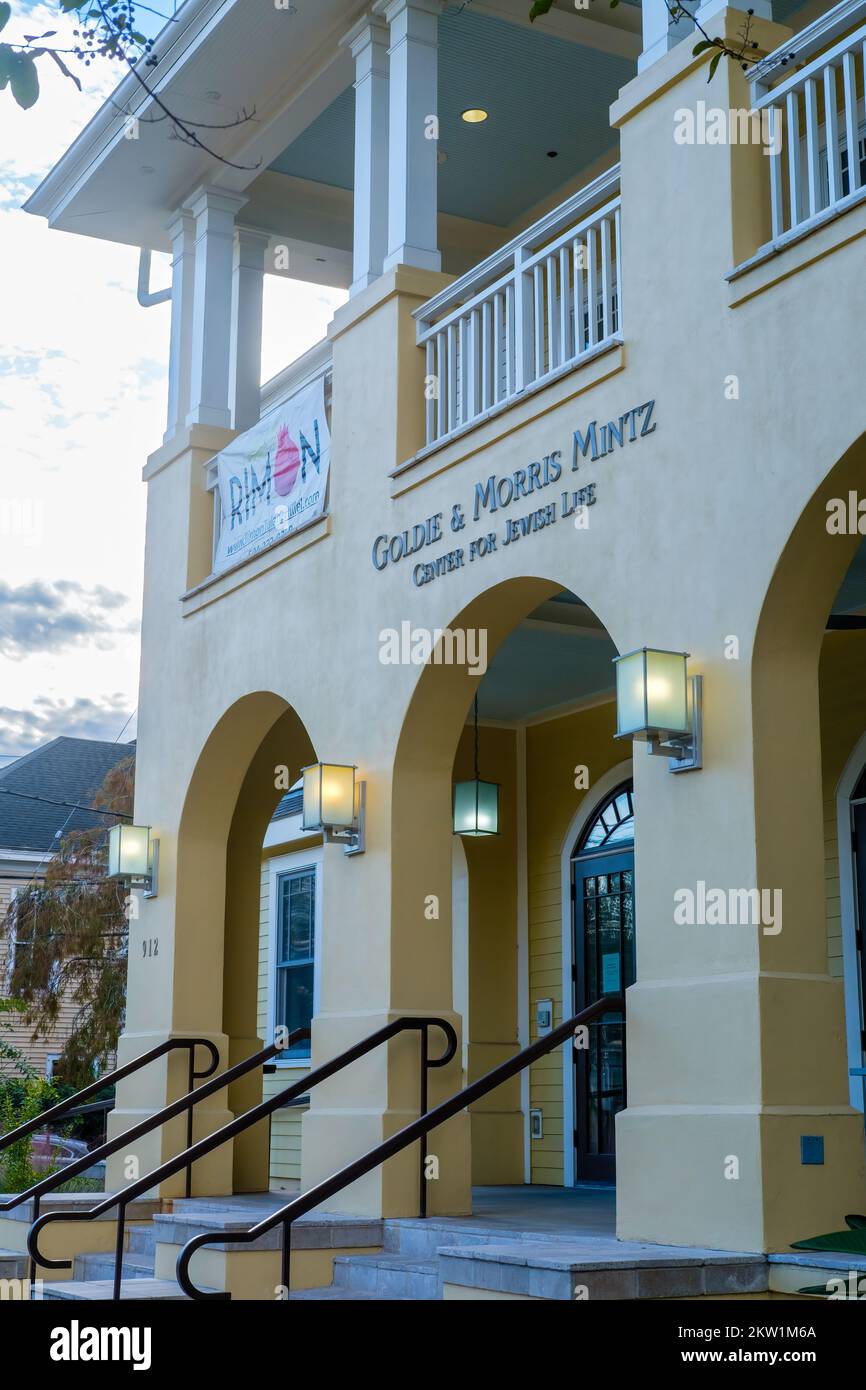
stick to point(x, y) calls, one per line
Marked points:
point(613, 824)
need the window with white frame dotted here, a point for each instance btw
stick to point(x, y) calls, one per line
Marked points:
point(296, 912)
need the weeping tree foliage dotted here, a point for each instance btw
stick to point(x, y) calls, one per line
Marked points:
point(70, 935)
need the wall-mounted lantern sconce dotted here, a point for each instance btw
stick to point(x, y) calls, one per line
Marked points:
point(335, 803)
point(658, 703)
point(133, 854)
point(476, 803)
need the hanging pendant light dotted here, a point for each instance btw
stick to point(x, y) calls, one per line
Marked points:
point(476, 803)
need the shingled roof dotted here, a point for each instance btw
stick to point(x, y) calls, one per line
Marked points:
point(69, 770)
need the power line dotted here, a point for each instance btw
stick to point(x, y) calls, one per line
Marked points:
point(74, 805)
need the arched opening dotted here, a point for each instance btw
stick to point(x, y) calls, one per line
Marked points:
point(210, 944)
point(545, 736)
point(809, 713)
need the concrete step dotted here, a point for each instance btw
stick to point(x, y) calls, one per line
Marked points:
point(338, 1295)
point(841, 1276)
point(388, 1276)
point(13, 1265)
point(98, 1266)
point(597, 1268)
point(426, 1237)
point(96, 1291)
point(141, 1239)
point(316, 1231)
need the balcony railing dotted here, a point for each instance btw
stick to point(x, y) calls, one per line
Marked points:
point(529, 312)
point(817, 130)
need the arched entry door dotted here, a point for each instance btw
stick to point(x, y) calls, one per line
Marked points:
point(858, 847)
point(604, 963)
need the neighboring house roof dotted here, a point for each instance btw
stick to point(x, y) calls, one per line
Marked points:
point(66, 770)
point(291, 804)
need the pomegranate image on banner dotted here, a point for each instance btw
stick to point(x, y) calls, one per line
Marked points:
point(286, 463)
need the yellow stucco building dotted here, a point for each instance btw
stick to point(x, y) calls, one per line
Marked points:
point(595, 388)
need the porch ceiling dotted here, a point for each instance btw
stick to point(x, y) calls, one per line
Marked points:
point(543, 93)
point(560, 654)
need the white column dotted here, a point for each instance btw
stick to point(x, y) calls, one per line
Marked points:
point(368, 42)
point(245, 373)
point(412, 146)
point(659, 34)
point(181, 229)
point(710, 9)
point(214, 212)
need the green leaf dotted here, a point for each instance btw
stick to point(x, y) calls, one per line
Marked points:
point(67, 5)
point(852, 1242)
point(5, 12)
point(6, 56)
point(818, 1290)
point(24, 81)
point(855, 1223)
point(714, 63)
point(702, 47)
point(539, 7)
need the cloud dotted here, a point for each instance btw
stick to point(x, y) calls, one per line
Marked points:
point(51, 617)
point(22, 730)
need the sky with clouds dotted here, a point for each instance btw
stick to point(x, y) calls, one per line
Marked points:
point(82, 401)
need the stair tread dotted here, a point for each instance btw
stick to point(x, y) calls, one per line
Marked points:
point(409, 1264)
point(336, 1294)
point(97, 1290)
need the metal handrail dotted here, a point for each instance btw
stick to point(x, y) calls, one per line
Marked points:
point(185, 1102)
point(56, 1111)
point(418, 1129)
point(237, 1126)
point(72, 1104)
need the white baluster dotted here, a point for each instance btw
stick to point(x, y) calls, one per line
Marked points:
point(812, 179)
point(550, 275)
point(564, 306)
point(793, 111)
point(487, 396)
point(522, 323)
point(538, 309)
point(510, 340)
point(831, 119)
point(578, 251)
point(441, 384)
point(500, 366)
point(592, 318)
point(430, 391)
point(473, 366)
point(605, 278)
point(776, 125)
point(451, 413)
point(618, 249)
point(851, 121)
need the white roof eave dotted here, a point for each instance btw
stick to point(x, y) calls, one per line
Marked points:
point(195, 21)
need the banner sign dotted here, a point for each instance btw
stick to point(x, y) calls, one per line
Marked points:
point(274, 477)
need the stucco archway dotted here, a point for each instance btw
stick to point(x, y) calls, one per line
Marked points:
point(434, 751)
point(204, 979)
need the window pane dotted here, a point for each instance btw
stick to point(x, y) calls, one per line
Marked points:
point(295, 1002)
point(297, 917)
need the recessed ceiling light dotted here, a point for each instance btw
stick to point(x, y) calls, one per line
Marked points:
point(213, 96)
point(147, 169)
point(474, 116)
point(552, 154)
